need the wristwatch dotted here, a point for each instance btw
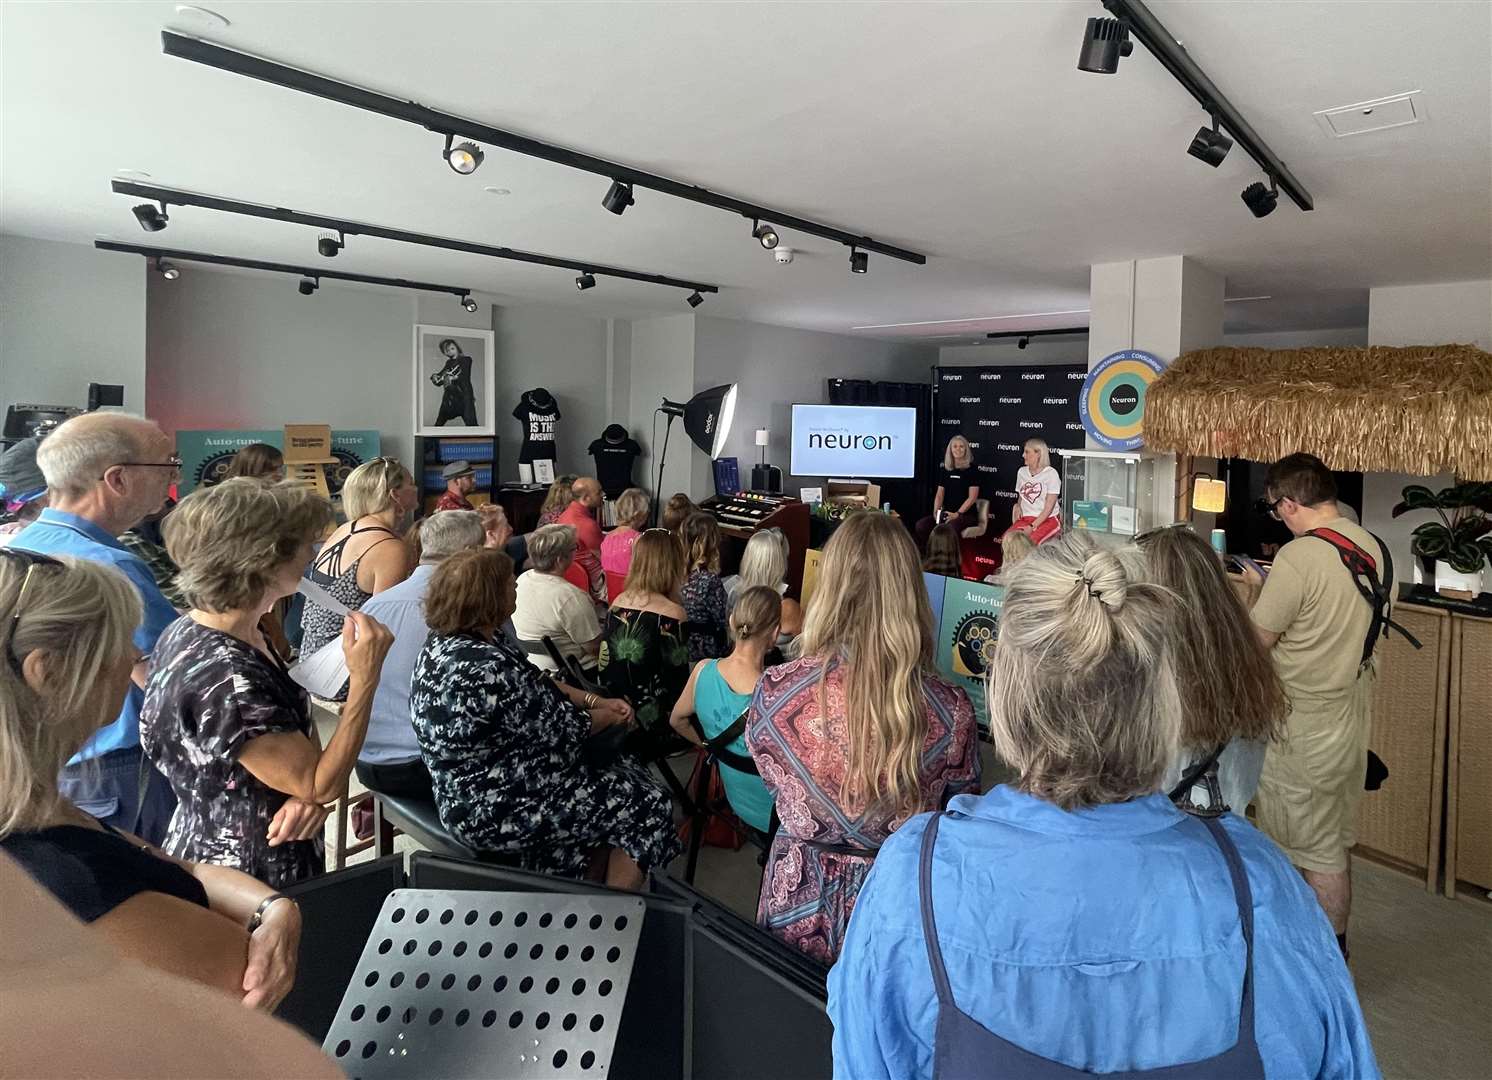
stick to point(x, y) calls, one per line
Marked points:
point(257, 919)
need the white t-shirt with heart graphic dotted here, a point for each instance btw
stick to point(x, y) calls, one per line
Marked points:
point(1033, 490)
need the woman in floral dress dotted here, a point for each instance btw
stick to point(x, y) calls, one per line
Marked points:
point(850, 750)
point(644, 657)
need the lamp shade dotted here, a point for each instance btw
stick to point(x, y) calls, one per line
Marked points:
point(762, 436)
point(707, 417)
point(1209, 495)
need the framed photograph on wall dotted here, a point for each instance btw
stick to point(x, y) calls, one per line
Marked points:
point(453, 381)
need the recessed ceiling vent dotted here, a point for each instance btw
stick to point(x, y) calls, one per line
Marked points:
point(1378, 115)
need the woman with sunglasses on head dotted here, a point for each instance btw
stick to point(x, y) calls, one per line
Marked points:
point(68, 657)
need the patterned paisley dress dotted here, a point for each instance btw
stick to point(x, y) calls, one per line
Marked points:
point(808, 894)
point(504, 749)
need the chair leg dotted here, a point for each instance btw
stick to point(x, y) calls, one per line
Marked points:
point(339, 833)
point(383, 832)
point(700, 818)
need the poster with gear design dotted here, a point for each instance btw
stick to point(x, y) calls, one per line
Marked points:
point(968, 628)
point(205, 455)
point(1112, 404)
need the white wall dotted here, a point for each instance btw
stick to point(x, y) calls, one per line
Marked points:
point(1041, 351)
point(662, 366)
point(70, 315)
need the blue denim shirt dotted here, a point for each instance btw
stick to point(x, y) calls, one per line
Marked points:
point(58, 533)
point(1106, 939)
point(391, 739)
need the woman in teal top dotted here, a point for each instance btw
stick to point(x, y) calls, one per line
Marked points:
point(719, 691)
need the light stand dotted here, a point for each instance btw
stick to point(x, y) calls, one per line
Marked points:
point(707, 419)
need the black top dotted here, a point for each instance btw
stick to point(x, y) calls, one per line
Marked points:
point(956, 484)
point(539, 413)
point(614, 462)
point(92, 871)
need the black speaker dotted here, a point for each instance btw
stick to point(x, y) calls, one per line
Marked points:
point(101, 394)
point(766, 478)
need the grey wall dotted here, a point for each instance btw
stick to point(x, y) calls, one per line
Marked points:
point(1007, 351)
point(776, 367)
point(70, 315)
point(662, 366)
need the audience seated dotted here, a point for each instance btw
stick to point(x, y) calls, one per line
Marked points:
point(703, 593)
point(1075, 922)
point(857, 735)
point(390, 761)
point(557, 500)
point(719, 691)
point(366, 555)
point(678, 507)
point(1225, 727)
point(580, 515)
point(632, 509)
point(69, 657)
point(222, 718)
point(644, 658)
point(764, 562)
point(943, 552)
point(551, 606)
point(257, 461)
point(1014, 546)
point(23, 489)
point(507, 746)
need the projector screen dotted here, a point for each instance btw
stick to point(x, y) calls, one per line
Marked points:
point(854, 441)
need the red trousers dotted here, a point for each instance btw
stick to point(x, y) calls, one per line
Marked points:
point(1045, 531)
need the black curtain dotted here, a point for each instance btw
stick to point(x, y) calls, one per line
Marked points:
point(912, 499)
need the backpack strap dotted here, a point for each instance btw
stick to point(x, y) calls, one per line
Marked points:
point(1378, 594)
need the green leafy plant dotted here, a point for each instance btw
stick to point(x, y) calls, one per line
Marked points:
point(1462, 537)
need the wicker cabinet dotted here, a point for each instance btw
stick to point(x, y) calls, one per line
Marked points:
point(1468, 825)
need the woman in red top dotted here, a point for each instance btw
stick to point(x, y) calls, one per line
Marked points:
point(857, 736)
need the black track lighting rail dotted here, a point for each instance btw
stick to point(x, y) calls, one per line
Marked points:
point(999, 334)
point(176, 197)
point(277, 268)
point(448, 124)
point(1162, 45)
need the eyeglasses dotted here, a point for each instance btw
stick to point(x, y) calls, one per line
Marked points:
point(1271, 508)
point(32, 561)
point(173, 462)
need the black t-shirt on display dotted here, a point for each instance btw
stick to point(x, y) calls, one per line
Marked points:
point(539, 413)
point(956, 484)
point(614, 452)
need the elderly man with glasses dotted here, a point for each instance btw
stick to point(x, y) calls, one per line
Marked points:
point(106, 472)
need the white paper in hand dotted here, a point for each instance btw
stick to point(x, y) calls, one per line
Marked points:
point(324, 672)
point(321, 598)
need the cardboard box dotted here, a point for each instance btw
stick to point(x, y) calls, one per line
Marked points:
point(308, 442)
point(853, 492)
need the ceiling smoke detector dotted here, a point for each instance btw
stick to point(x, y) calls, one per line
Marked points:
point(782, 255)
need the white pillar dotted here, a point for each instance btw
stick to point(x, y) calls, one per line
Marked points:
point(1165, 306)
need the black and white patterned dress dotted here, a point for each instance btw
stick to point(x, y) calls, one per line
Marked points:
point(209, 694)
point(504, 749)
point(703, 597)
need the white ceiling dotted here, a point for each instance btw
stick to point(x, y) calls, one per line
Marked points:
point(962, 130)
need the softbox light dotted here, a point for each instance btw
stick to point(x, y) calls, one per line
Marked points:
point(707, 417)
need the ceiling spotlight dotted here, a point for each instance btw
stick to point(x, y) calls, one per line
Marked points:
point(463, 157)
point(151, 219)
point(1210, 145)
point(618, 197)
point(468, 303)
point(1104, 42)
point(694, 299)
point(1022, 343)
point(765, 235)
point(1261, 200)
point(169, 272)
point(585, 281)
point(329, 245)
point(859, 261)
point(307, 286)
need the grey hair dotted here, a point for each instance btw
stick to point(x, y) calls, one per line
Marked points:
point(551, 547)
point(448, 531)
point(75, 456)
point(1082, 691)
point(1044, 461)
point(631, 505)
point(764, 562)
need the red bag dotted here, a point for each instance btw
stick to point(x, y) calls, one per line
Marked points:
point(722, 830)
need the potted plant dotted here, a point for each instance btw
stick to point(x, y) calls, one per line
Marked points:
point(1457, 549)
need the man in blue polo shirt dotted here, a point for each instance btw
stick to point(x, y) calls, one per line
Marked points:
point(106, 472)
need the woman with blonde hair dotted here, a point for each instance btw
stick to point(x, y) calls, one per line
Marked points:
point(632, 509)
point(1018, 932)
point(1036, 489)
point(764, 562)
point(644, 657)
point(557, 500)
point(223, 720)
point(957, 493)
point(703, 593)
point(1013, 548)
point(857, 735)
point(67, 640)
point(367, 554)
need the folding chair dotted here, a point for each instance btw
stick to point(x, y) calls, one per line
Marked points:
point(717, 752)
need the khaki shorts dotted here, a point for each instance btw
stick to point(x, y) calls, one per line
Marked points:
point(1313, 779)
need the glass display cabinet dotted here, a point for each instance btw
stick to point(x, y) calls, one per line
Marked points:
point(1109, 493)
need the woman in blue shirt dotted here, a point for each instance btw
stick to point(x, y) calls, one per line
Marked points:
point(1075, 920)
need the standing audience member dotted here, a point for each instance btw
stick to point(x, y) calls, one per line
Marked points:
point(764, 562)
point(506, 744)
point(678, 507)
point(557, 500)
point(1036, 489)
point(366, 555)
point(461, 481)
point(105, 472)
point(943, 555)
point(1046, 928)
point(222, 717)
point(720, 691)
point(1314, 621)
point(68, 640)
point(390, 759)
point(957, 493)
point(257, 461)
point(703, 593)
point(23, 489)
point(1225, 726)
point(550, 606)
point(857, 735)
point(644, 658)
point(632, 509)
point(580, 515)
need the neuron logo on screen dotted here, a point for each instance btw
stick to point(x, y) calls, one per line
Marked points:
point(854, 441)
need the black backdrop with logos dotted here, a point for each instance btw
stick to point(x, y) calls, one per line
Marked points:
point(997, 409)
point(907, 497)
